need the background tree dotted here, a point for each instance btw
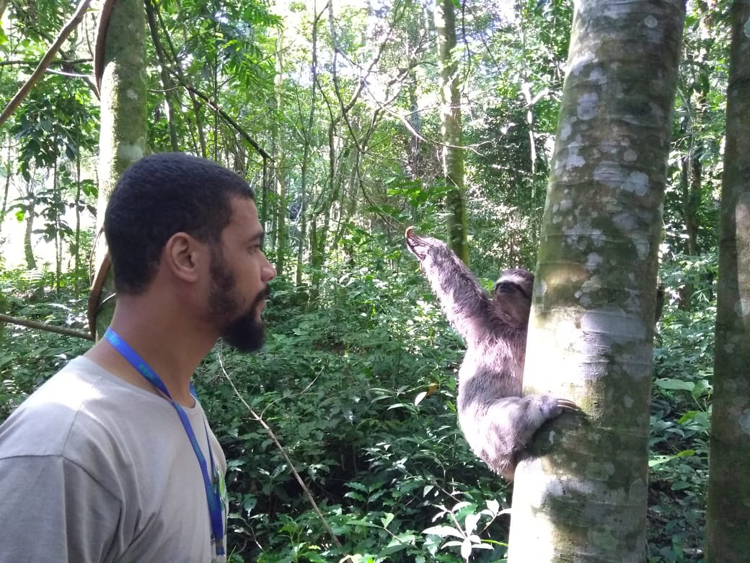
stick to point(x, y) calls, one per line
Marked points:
point(594, 303)
point(450, 115)
point(728, 496)
point(280, 161)
point(120, 61)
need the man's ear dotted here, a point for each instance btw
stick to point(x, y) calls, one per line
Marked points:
point(183, 256)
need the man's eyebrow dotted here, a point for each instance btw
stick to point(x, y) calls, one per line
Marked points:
point(257, 237)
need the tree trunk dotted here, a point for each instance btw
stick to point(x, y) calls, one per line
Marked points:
point(58, 235)
point(315, 263)
point(306, 150)
point(728, 511)
point(264, 196)
point(691, 179)
point(28, 248)
point(77, 256)
point(450, 115)
point(583, 496)
point(197, 106)
point(319, 237)
point(413, 30)
point(8, 178)
point(280, 164)
point(270, 195)
point(169, 92)
point(122, 139)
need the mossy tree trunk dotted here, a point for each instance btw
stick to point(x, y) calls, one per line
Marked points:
point(450, 117)
point(728, 514)
point(584, 495)
point(122, 139)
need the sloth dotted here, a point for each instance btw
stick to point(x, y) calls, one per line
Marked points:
point(496, 420)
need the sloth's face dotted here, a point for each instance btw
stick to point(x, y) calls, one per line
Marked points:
point(512, 295)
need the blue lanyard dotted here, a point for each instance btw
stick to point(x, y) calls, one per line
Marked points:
point(214, 500)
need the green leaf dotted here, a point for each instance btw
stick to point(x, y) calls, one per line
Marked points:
point(249, 503)
point(358, 486)
point(470, 524)
point(667, 458)
point(675, 384)
point(387, 519)
point(355, 496)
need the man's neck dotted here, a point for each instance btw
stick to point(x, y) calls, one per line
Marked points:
point(170, 346)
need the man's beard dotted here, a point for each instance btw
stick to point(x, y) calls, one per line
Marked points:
point(244, 333)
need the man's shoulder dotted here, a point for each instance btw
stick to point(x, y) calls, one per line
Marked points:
point(74, 406)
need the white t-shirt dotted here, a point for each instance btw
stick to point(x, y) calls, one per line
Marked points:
point(93, 469)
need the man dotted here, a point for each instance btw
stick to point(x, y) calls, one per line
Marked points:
point(112, 459)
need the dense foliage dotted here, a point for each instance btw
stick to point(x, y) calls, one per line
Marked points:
point(357, 380)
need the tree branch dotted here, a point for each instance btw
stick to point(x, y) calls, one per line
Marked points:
point(46, 327)
point(61, 62)
point(45, 62)
point(226, 117)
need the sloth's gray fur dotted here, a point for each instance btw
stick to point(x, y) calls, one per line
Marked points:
point(496, 421)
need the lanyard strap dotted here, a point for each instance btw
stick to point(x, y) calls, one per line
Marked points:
point(212, 495)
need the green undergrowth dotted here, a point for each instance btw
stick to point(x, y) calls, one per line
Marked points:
point(360, 392)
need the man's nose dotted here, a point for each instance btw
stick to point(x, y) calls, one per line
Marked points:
point(268, 272)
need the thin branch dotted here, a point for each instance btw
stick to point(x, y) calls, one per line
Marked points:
point(69, 74)
point(61, 62)
point(46, 327)
point(161, 56)
point(345, 108)
point(281, 449)
point(105, 12)
point(45, 62)
point(226, 117)
point(416, 133)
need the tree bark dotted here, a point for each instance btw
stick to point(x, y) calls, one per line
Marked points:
point(122, 139)
point(450, 116)
point(728, 487)
point(281, 207)
point(582, 494)
point(28, 247)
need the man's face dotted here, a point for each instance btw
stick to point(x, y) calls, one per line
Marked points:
point(239, 279)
